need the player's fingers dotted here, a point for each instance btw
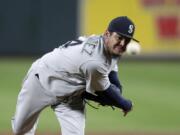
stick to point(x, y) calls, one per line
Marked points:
point(125, 113)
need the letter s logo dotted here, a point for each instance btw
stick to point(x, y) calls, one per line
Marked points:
point(131, 28)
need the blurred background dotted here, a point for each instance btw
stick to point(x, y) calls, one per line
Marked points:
point(30, 28)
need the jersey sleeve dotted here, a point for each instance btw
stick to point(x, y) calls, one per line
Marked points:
point(96, 75)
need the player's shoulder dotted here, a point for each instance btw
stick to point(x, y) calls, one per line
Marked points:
point(91, 45)
point(94, 65)
point(93, 40)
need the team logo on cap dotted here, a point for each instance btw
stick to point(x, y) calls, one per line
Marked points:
point(131, 27)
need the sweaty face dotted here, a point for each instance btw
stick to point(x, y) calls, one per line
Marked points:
point(116, 44)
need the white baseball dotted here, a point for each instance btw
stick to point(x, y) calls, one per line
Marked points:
point(133, 48)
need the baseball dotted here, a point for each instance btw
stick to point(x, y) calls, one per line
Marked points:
point(133, 48)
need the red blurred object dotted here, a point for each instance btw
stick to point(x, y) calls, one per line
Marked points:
point(168, 26)
point(152, 3)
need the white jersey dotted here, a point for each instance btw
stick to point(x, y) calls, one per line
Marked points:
point(81, 64)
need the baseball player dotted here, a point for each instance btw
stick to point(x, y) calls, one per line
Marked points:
point(79, 70)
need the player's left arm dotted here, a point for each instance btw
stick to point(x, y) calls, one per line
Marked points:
point(110, 97)
point(113, 78)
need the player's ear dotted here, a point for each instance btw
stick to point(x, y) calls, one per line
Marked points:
point(107, 33)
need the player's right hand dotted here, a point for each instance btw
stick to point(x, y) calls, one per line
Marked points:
point(129, 107)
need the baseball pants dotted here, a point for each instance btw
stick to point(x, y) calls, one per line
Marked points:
point(32, 99)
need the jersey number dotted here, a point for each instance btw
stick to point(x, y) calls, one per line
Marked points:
point(72, 43)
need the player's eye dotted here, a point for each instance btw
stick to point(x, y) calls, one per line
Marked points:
point(127, 40)
point(120, 37)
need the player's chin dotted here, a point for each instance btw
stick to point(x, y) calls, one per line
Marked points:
point(117, 54)
point(118, 51)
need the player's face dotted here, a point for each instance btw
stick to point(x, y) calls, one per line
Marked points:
point(116, 44)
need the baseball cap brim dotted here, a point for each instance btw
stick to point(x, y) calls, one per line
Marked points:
point(127, 36)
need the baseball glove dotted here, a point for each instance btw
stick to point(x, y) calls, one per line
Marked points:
point(104, 99)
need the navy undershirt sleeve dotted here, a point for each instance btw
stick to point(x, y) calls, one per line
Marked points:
point(113, 78)
point(116, 98)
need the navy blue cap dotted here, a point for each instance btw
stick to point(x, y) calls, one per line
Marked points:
point(123, 26)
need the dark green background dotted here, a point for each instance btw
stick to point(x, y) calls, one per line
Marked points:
point(33, 27)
